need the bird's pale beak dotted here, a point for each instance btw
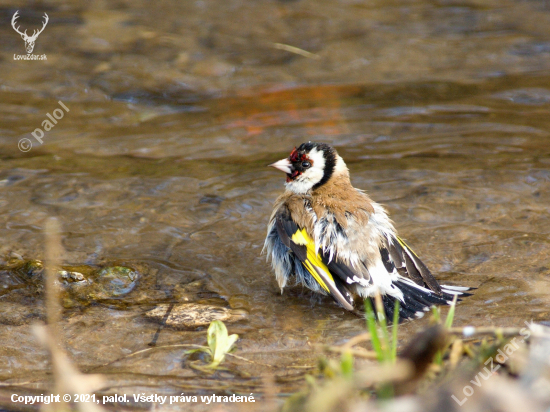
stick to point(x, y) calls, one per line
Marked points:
point(283, 165)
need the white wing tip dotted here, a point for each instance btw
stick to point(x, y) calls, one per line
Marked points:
point(457, 288)
point(454, 290)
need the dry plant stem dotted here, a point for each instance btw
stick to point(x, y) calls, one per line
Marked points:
point(52, 264)
point(378, 305)
point(295, 50)
point(363, 337)
point(457, 349)
point(51, 333)
point(189, 345)
point(67, 379)
point(401, 370)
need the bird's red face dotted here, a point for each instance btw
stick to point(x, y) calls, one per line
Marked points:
point(308, 166)
point(294, 165)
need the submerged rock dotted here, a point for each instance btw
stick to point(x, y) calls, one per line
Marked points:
point(20, 274)
point(113, 282)
point(82, 284)
point(191, 315)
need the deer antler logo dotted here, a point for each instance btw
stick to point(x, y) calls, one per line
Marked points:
point(29, 40)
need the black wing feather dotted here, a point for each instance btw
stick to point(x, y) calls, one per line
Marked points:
point(286, 228)
point(409, 264)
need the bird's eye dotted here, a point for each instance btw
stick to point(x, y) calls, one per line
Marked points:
point(305, 165)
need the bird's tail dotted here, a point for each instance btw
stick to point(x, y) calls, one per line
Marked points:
point(417, 299)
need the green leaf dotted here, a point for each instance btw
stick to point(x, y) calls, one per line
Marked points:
point(219, 342)
point(216, 330)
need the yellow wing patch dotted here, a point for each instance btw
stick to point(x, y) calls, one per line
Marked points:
point(300, 237)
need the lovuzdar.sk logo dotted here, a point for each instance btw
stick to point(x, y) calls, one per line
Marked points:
point(29, 40)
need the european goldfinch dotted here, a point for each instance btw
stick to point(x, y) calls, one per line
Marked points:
point(332, 238)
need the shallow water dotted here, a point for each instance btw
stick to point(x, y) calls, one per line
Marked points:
point(440, 109)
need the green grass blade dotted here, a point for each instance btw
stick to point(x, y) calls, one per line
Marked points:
point(385, 336)
point(394, 331)
point(436, 314)
point(451, 313)
point(371, 325)
point(346, 365)
point(385, 391)
point(438, 358)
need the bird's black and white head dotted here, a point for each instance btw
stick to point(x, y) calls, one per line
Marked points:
point(310, 166)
